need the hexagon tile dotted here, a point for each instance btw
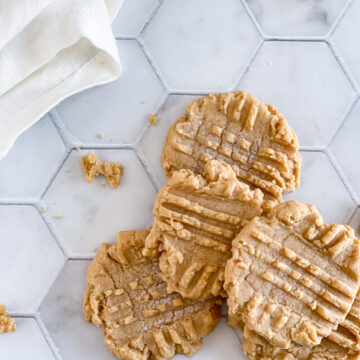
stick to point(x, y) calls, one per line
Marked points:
point(194, 43)
point(349, 50)
point(28, 343)
point(346, 147)
point(133, 16)
point(318, 180)
point(299, 85)
point(297, 18)
point(62, 315)
point(30, 164)
point(299, 55)
point(33, 259)
point(104, 110)
point(85, 215)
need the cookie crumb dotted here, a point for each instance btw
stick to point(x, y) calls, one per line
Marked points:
point(59, 217)
point(101, 136)
point(93, 166)
point(153, 119)
point(77, 149)
point(103, 185)
point(143, 101)
point(44, 209)
point(359, 229)
point(7, 323)
point(68, 171)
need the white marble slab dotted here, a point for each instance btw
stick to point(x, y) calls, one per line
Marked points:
point(171, 51)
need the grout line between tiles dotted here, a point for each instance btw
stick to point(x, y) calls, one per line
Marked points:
point(341, 175)
point(253, 19)
point(343, 120)
point(237, 335)
point(147, 125)
point(52, 229)
point(48, 339)
point(60, 127)
point(56, 172)
point(247, 67)
point(343, 65)
point(20, 315)
point(151, 16)
point(339, 18)
point(147, 168)
point(352, 217)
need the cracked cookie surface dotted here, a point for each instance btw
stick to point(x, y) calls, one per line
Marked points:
point(127, 297)
point(292, 279)
point(242, 131)
point(196, 217)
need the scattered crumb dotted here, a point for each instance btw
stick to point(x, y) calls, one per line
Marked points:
point(143, 101)
point(101, 136)
point(95, 250)
point(7, 323)
point(153, 119)
point(68, 171)
point(103, 185)
point(93, 166)
point(359, 229)
point(44, 209)
point(59, 217)
point(78, 149)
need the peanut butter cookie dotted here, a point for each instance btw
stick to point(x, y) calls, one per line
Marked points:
point(126, 296)
point(292, 279)
point(242, 131)
point(196, 217)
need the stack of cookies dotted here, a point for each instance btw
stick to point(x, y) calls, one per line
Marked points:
point(222, 230)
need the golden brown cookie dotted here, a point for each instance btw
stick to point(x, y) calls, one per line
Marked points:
point(195, 220)
point(7, 323)
point(242, 131)
point(126, 296)
point(292, 279)
point(342, 344)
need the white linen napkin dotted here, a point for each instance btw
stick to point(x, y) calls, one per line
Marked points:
point(49, 50)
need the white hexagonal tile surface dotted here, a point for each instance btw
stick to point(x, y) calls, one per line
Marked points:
point(32, 258)
point(30, 164)
point(295, 18)
point(153, 142)
point(105, 109)
point(26, 343)
point(321, 186)
point(63, 316)
point(85, 215)
point(194, 43)
point(169, 50)
point(299, 85)
point(132, 17)
point(346, 148)
point(349, 50)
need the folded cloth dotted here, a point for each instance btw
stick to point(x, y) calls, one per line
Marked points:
point(49, 50)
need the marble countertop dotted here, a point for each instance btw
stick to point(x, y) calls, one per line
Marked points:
point(302, 56)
